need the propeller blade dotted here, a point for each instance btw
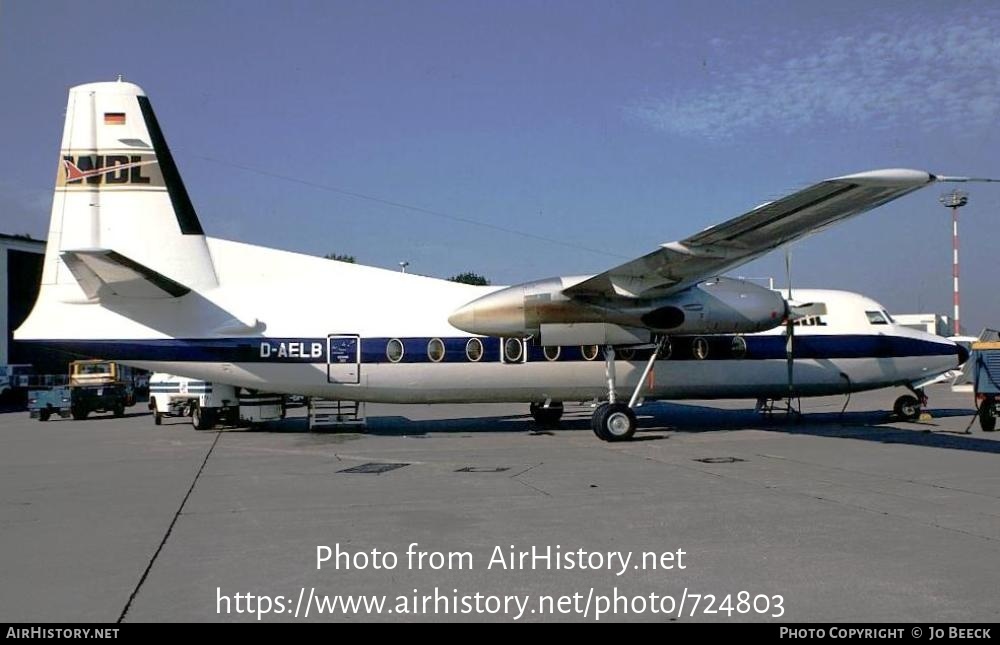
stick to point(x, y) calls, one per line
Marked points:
point(790, 357)
point(790, 330)
point(788, 270)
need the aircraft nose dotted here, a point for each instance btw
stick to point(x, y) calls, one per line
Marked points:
point(963, 354)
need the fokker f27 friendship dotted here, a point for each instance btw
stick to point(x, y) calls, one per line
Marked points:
point(130, 275)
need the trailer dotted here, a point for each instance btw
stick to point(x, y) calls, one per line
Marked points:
point(13, 380)
point(210, 404)
point(986, 383)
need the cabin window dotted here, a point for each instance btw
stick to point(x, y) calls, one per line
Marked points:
point(876, 318)
point(589, 351)
point(513, 350)
point(699, 347)
point(551, 352)
point(739, 347)
point(435, 350)
point(665, 350)
point(474, 349)
point(394, 350)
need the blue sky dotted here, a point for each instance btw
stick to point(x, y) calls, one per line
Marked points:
point(576, 134)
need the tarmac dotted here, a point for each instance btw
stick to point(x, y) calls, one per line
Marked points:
point(827, 517)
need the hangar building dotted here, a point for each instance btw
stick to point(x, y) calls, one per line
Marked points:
point(20, 273)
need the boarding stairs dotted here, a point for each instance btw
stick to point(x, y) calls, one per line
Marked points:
point(332, 414)
point(768, 407)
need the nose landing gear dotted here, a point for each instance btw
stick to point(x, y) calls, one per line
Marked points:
point(908, 407)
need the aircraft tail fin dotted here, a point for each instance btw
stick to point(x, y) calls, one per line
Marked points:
point(122, 220)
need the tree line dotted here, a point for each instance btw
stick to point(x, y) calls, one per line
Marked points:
point(468, 277)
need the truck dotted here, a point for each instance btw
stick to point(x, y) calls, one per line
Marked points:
point(986, 384)
point(210, 404)
point(93, 386)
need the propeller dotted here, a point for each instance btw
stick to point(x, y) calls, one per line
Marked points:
point(789, 330)
point(795, 311)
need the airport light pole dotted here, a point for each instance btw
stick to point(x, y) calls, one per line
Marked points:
point(955, 200)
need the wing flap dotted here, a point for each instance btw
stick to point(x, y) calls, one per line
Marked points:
point(678, 265)
point(103, 272)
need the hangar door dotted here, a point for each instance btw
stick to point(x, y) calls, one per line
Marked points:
point(343, 358)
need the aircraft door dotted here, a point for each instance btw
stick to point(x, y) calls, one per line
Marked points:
point(343, 359)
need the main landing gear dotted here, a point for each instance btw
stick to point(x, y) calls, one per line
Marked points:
point(614, 420)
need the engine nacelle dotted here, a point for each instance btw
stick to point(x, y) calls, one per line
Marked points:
point(717, 306)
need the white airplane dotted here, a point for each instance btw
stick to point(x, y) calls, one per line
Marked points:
point(129, 275)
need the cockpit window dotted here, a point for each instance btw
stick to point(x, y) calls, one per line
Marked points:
point(888, 317)
point(876, 318)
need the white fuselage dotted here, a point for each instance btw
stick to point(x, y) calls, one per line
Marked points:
point(267, 324)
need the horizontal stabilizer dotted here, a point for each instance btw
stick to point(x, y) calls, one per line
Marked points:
point(103, 272)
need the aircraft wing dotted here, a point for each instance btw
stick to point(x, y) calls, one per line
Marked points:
point(678, 265)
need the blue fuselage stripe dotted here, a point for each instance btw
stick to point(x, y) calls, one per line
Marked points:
point(415, 350)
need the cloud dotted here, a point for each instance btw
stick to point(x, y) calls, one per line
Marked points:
point(944, 75)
